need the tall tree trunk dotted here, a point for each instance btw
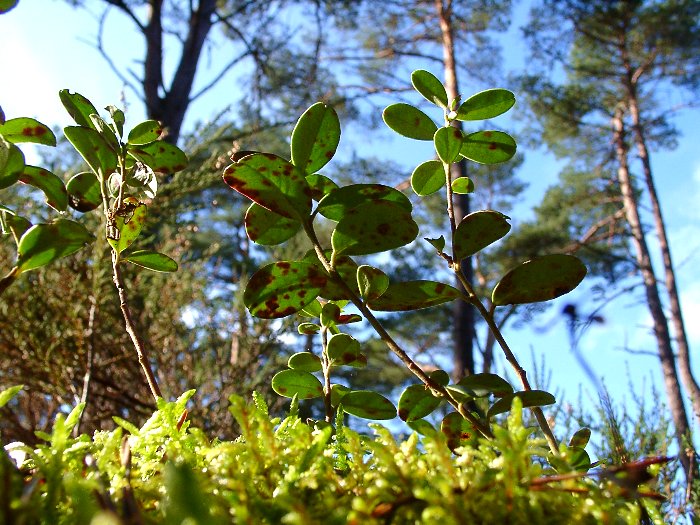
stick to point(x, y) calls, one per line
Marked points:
point(462, 313)
point(661, 332)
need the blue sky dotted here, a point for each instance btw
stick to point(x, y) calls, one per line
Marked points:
point(47, 47)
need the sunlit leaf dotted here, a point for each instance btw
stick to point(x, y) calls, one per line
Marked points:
point(482, 385)
point(145, 133)
point(338, 392)
point(343, 349)
point(129, 225)
point(118, 118)
point(368, 405)
point(27, 129)
point(486, 104)
point(84, 192)
point(320, 185)
point(338, 202)
point(12, 223)
point(44, 243)
point(540, 279)
point(458, 431)
point(371, 282)
point(414, 295)
point(290, 383)
point(11, 163)
point(430, 87)
point(308, 328)
point(409, 121)
point(422, 427)
point(462, 185)
point(7, 394)
point(438, 243)
point(268, 228)
point(47, 182)
point(428, 177)
point(329, 313)
point(93, 148)
point(160, 156)
point(305, 361)
point(78, 107)
point(416, 402)
point(448, 143)
point(488, 147)
point(478, 230)
point(529, 398)
point(440, 377)
point(151, 260)
point(315, 138)
point(580, 438)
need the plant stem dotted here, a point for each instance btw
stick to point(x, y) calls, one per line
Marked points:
point(6, 281)
point(326, 369)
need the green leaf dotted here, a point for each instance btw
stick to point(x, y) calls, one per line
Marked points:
point(329, 313)
point(93, 148)
point(2, 113)
point(580, 438)
point(458, 431)
point(313, 309)
point(11, 163)
point(482, 385)
point(416, 402)
point(368, 405)
point(283, 288)
point(305, 361)
point(438, 243)
point(338, 202)
point(273, 183)
point(343, 349)
point(290, 383)
point(160, 156)
point(488, 147)
point(16, 224)
point(269, 228)
point(414, 295)
point(478, 230)
point(130, 226)
point(409, 121)
point(118, 119)
point(345, 267)
point(578, 458)
point(486, 104)
point(308, 328)
point(338, 392)
point(84, 192)
point(371, 282)
point(145, 133)
point(320, 185)
point(7, 394)
point(430, 87)
point(78, 107)
point(462, 185)
point(151, 260)
point(448, 143)
point(428, 177)
point(44, 243)
point(440, 377)
point(374, 227)
point(27, 129)
point(529, 398)
point(5, 6)
point(50, 184)
point(422, 427)
point(143, 178)
point(540, 279)
point(315, 137)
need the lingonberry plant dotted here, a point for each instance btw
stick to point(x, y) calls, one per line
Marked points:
point(291, 195)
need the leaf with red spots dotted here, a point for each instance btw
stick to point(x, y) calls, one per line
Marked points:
point(93, 148)
point(540, 279)
point(371, 282)
point(268, 228)
point(486, 104)
point(430, 87)
point(580, 438)
point(283, 288)
point(11, 163)
point(151, 260)
point(315, 138)
point(343, 349)
point(462, 185)
point(374, 227)
point(458, 431)
point(368, 405)
point(290, 383)
point(320, 185)
point(529, 398)
point(448, 142)
point(273, 183)
point(409, 121)
point(305, 361)
point(414, 295)
point(482, 385)
point(84, 192)
point(346, 269)
point(329, 313)
point(428, 178)
point(145, 132)
point(488, 147)
point(44, 243)
point(129, 226)
point(78, 107)
point(50, 184)
point(27, 129)
point(416, 402)
point(160, 156)
point(477, 231)
point(338, 202)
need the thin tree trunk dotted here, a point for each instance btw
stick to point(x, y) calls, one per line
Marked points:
point(661, 332)
point(462, 313)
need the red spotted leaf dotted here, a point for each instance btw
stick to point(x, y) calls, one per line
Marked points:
point(477, 231)
point(414, 295)
point(315, 137)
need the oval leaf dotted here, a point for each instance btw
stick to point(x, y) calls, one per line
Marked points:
point(368, 405)
point(477, 231)
point(27, 129)
point(305, 361)
point(422, 427)
point(344, 349)
point(529, 398)
point(315, 137)
point(78, 107)
point(488, 147)
point(44, 243)
point(84, 192)
point(371, 282)
point(50, 184)
point(268, 228)
point(416, 402)
point(160, 156)
point(428, 177)
point(93, 148)
point(320, 185)
point(273, 183)
point(283, 288)
point(145, 133)
point(409, 121)
point(129, 226)
point(372, 228)
point(462, 185)
point(580, 438)
point(430, 87)
point(540, 279)
point(11, 163)
point(414, 295)
point(486, 104)
point(483, 385)
point(7, 394)
point(151, 260)
point(290, 383)
point(458, 431)
point(338, 202)
point(448, 143)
